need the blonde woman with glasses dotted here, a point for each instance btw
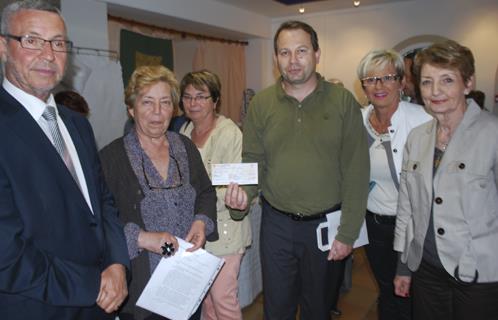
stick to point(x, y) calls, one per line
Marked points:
point(388, 121)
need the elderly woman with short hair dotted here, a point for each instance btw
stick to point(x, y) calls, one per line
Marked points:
point(388, 121)
point(447, 223)
point(158, 180)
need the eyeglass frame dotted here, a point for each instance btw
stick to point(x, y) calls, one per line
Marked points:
point(383, 80)
point(151, 187)
point(68, 44)
point(201, 99)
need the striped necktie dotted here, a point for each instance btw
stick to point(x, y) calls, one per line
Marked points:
point(51, 117)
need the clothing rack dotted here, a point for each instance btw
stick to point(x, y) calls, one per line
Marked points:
point(95, 52)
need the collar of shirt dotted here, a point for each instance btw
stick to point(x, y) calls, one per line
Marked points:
point(281, 94)
point(32, 104)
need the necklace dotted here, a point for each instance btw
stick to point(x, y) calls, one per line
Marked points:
point(377, 125)
point(442, 146)
point(443, 138)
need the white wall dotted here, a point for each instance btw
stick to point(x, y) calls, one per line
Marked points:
point(86, 23)
point(257, 61)
point(346, 36)
point(183, 56)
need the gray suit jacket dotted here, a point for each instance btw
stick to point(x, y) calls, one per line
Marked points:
point(463, 195)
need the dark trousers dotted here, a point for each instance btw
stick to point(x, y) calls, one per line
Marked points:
point(383, 261)
point(16, 307)
point(295, 271)
point(437, 295)
point(338, 269)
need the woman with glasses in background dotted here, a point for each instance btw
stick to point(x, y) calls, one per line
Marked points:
point(388, 121)
point(159, 182)
point(219, 140)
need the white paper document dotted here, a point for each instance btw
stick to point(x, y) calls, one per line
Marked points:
point(241, 173)
point(326, 232)
point(180, 282)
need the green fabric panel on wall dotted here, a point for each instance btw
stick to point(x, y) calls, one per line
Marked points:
point(137, 50)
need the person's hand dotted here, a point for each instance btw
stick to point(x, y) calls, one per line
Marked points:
point(113, 288)
point(339, 251)
point(154, 241)
point(402, 286)
point(236, 197)
point(196, 235)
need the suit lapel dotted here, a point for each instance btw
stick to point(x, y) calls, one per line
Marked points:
point(22, 124)
point(427, 145)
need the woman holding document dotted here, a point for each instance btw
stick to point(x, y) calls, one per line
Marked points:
point(159, 182)
point(218, 140)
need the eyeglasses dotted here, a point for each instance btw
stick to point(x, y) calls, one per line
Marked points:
point(36, 43)
point(177, 184)
point(387, 79)
point(189, 99)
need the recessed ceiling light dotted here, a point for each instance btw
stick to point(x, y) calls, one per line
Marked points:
point(301, 10)
point(356, 3)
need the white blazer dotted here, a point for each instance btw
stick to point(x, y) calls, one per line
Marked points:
point(404, 119)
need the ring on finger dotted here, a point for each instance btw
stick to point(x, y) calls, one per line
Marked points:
point(168, 249)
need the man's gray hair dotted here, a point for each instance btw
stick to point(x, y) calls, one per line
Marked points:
point(17, 6)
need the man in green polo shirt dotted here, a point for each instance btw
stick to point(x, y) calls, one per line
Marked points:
point(308, 138)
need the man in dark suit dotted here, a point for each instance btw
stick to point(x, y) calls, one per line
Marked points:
point(63, 253)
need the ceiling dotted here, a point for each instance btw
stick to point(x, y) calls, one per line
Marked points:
point(268, 8)
point(274, 9)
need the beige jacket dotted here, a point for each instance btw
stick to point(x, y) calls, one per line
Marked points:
point(224, 145)
point(465, 200)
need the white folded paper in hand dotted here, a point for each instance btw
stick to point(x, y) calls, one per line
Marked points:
point(241, 173)
point(180, 282)
point(326, 232)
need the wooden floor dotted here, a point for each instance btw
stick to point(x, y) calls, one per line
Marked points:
point(357, 304)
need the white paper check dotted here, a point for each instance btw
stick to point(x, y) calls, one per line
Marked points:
point(241, 173)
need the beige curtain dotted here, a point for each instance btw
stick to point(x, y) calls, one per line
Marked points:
point(228, 62)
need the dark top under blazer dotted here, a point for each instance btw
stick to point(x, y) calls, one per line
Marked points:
point(52, 248)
